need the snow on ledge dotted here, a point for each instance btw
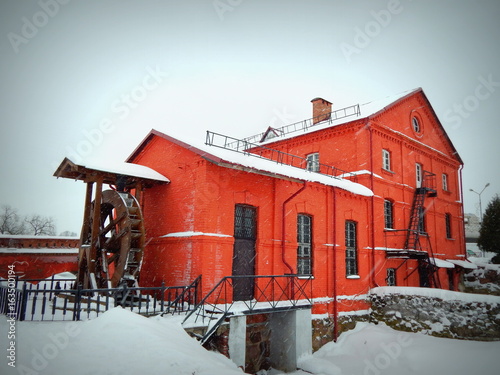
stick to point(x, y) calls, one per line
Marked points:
point(192, 234)
point(37, 250)
point(445, 295)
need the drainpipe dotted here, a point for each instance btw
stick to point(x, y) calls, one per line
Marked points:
point(462, 211)
point(283, 226)
point(372, 273)
point(335, 306)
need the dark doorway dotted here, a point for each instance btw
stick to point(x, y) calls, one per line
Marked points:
point(424, 272)
point(245, 233)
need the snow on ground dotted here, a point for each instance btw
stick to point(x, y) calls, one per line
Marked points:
point(116, 343)
point(377, 349)
point(120, 343)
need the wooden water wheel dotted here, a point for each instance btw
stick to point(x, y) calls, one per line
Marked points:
point(112, 240)
point(116, 257)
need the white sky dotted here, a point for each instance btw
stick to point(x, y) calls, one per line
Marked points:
point(231, 66)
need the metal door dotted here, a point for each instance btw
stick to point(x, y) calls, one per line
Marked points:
point(245, 233)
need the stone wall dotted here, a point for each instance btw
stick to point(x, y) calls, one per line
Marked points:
point(323, 326)
point(485, 279)
point(438, 312)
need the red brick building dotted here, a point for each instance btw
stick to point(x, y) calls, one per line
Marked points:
point(363, 196)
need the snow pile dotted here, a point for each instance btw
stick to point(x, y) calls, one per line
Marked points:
point(116, 343)
point(442, 294)
point(377, 349)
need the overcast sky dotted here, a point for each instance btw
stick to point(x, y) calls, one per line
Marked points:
point(91, 78)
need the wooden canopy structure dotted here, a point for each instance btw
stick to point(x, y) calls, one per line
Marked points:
point(113, 236)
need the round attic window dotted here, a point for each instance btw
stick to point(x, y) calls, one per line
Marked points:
point(416, 124)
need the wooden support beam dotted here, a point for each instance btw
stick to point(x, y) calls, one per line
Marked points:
point(96, 218)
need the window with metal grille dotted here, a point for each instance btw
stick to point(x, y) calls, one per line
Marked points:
point(304, 240)
point(244, 222)
point(313, 162)
point(388, 214)
point(391, 277)
point(386, 160)
point(351, 251)
point(447, 219)
point(421, 220)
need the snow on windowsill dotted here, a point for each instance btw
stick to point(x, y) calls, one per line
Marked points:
point(353, 277)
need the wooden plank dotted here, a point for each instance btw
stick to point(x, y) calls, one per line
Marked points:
point(96, 221)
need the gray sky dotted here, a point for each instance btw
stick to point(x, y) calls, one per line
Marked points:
point(91, 78)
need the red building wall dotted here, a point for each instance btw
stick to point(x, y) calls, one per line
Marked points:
point(190, 222)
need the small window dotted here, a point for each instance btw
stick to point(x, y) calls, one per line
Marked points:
point(313, 162)
point(447, 219)
point(304, 240)
point(421, 220)
point(388, 214)
point(445, 182)
point(386, 160)
point(391, 277)
point(418, 175)
point(416, 124)
point(351, 251)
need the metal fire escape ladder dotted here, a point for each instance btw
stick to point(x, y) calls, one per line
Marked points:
point(413, 244)
point(417, 209)
point(427, 189)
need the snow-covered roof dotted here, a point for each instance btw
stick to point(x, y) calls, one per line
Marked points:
point(42, 237)
point(441, 263)
point(463, 263)
point(365, 110)
point(126, 169)
point(109, 170)
point(250, 163)
point(35, 250)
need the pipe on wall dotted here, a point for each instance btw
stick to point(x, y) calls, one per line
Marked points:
point(283, 227)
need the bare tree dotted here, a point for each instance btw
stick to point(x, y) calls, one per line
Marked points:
point(68, 233)
point(10, 223)
point(39, 225)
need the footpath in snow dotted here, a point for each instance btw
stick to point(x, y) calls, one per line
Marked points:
point(120, 342)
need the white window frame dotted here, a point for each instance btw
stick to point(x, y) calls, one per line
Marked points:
point(418, 175)
point(312, 162)
point(445, 181)
point(386, 160)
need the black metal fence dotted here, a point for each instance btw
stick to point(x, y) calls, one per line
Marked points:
point(49, 300)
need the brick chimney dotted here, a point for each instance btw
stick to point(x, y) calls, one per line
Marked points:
point(321, 110)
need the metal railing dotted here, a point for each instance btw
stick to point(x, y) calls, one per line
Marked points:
point(272, 293)
point(60, 300)
point(251, 149)
point(304, 125)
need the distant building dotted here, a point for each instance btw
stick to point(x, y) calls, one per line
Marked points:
point(472, 226)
